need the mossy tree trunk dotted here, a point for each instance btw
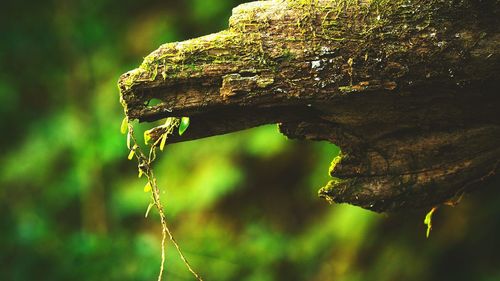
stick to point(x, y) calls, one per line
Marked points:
point(407, 88)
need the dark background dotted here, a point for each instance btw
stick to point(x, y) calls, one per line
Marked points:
point(243, 206)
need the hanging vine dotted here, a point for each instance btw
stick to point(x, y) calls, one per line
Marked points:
point(154, 139)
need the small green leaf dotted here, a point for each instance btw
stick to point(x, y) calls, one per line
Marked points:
point(184, 125)
point(147, 136)
point(147, 187)
point(149, 209)
point(124, 126)
point(428, 221)
point(140, 173)
point(163, 141)
point(128, 140)
point(132, 152)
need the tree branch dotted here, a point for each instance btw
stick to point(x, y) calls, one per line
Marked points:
point(407, 89)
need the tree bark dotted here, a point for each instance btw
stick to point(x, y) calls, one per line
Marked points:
point(407, 88)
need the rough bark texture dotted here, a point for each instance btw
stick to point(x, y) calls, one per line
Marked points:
point(407, 88)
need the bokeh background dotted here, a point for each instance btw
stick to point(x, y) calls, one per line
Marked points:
point(243, 206)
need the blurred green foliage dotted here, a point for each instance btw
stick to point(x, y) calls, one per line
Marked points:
point(243, 206)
